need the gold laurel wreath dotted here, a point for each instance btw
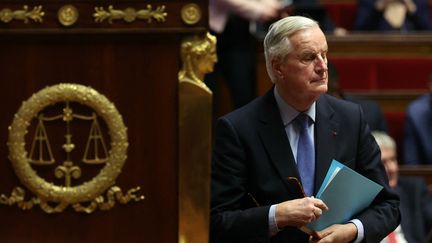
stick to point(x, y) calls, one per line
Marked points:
point(87, 191)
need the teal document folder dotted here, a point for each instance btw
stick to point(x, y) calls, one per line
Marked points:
point(346, 193)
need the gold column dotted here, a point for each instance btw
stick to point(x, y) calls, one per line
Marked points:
point(195, 124)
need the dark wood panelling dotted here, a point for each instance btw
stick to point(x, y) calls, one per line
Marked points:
point(424, 171)
point(135, 66)
point(138, 76)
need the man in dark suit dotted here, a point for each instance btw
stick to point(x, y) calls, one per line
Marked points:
point(254, 197)
point(415, 199)
point(418, 131)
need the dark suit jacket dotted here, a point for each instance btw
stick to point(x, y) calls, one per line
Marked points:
point(252, 154)
point(416, 209)
point(418, 131)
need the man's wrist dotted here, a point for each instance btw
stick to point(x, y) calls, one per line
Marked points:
point(359, 230)
point(273, 228)
point(355, 231)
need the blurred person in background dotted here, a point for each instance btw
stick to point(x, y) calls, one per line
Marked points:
point(393, 15)
point(415, 199)
point(230, 21)
point(418, 130)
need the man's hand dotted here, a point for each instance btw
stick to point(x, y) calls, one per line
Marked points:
point(269, 10)
point(337, 233)
point(299, 212)
point(410, 5)
point(380, 5)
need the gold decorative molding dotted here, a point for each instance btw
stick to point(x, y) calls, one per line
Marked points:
point(191, 13)
point(68, 15)
point(53, 198)
point(36, 14)
point(130, 14)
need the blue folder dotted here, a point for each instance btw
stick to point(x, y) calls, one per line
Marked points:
point(346, 193)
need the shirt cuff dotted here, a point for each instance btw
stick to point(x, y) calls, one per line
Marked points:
point(273, 228)
point(360, 230)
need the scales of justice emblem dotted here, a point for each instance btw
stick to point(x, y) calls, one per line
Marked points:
point(59, 183)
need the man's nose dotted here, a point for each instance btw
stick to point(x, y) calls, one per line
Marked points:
point(321, 64)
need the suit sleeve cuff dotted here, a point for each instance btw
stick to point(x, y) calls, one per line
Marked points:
point(360, 230)
point(273, 228)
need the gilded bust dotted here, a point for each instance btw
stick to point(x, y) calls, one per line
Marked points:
point(199, 56)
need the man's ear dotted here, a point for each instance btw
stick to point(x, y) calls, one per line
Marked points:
point(276, 66)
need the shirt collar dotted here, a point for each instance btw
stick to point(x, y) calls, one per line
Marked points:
point(288, 113)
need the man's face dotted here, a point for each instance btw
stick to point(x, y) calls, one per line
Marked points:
point(388, 157)
point(303, 73)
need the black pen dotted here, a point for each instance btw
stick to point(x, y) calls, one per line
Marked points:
point(253, 199)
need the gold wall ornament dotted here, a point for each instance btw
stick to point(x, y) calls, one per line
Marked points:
point(53, 198)
point(195, 124)
point(36, 14)
point(68, 15)
point(130, 14)
point(191, 13)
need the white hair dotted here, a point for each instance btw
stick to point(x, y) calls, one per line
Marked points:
point(277, 43)
point(384, 140)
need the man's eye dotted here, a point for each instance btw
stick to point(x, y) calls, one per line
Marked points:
point(324, 56)
point(308, 58)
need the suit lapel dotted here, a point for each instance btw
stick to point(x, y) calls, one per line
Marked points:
point(275, 141)
point(272, 133)
point(326, 132)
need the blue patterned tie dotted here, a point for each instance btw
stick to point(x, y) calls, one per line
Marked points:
point(305, 154)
